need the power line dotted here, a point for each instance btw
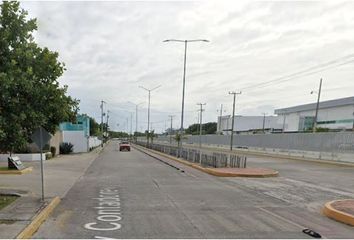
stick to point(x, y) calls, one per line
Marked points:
point(306, 72)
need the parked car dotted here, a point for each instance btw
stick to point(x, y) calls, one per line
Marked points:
point(124, 145)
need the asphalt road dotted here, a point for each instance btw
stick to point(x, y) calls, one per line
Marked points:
point(146, 198)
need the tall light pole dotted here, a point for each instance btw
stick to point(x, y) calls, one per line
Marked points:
point(200, 130)
point(149, 91)
point(131, 124)
point(233, 118)
point(171, 118)
point(221, 111)
point(264, 114)
point(102, 114)
point(314, 126)
point(184, 78)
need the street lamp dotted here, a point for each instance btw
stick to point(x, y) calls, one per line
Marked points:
point(149, 90)
point(184, 77)
point(314, 125)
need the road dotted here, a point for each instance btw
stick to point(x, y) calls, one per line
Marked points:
point(146, 198)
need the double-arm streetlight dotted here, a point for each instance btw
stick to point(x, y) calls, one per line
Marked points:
point(184, 76)
point(149, 90)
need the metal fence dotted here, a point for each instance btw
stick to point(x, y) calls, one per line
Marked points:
point(205, 158)
point(324, 142)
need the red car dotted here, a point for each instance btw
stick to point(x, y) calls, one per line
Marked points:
point(124, 145)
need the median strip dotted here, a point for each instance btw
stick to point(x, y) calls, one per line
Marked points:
point(340, 210)
point(219, 172)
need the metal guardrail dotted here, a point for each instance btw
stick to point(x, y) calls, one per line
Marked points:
point(205, 158)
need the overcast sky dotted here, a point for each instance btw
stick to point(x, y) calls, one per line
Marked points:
point(110, 48)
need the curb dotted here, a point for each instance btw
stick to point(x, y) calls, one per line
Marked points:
point(209, 170)
point(17, 172)
point(337, 215)
point(37, 221)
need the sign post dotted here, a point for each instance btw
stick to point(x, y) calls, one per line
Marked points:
point(40, 137)
point(41, 152)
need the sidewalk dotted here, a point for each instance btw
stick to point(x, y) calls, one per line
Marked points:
point(60, 174)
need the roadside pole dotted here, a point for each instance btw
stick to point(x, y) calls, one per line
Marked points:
point(233, 118)
point(317, 105)
point(41, 152)
point(200, 130)
point(171, 118)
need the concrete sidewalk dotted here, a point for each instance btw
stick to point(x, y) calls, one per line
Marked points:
point(60, 174)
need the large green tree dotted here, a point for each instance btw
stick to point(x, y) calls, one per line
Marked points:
point(30, 95)
point(207, 128)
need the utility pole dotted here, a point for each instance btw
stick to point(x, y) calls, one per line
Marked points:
point(264, 114)
point(233, 118)
point(317, 105)
point(171, 118)
point(149, 91)
point(131, 124)
point(102, 114)
point(200, 130)
point(127, 125)
point(107, 123)
point(184, 80)
point(136, 115)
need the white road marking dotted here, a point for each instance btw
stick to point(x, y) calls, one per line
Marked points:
point(109, 212)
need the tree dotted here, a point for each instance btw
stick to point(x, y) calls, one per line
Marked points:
point(30, 93)
point(208, 128)
point(114, 134)
point(94, 127)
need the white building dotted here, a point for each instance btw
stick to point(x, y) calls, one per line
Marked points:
point(248, 124)
point(334, 114)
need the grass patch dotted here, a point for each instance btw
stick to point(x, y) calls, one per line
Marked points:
point(6, 200)
point(7, 169)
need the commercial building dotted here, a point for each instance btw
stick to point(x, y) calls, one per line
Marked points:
point(337, 114)
point(248, 124)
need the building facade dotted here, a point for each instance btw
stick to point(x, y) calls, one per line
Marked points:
point(248, 124)
point(77, 133)
point(335, 114)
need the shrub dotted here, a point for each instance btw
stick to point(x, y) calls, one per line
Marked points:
point(66, 148)
point(53, 150)
point(48, 155)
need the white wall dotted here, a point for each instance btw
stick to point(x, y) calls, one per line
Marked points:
point(326, 114)
point(24, 156)
point(94, 142)
point(78, 139)
point(246, 123)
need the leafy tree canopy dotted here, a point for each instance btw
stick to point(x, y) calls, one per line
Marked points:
point(207, 128)
point(30, 94)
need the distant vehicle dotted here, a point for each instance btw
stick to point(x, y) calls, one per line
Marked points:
point(124, 145)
